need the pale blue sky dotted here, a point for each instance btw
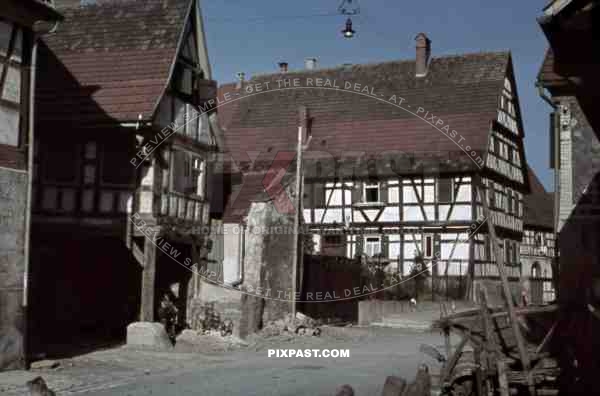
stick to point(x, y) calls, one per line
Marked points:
point(252, 36)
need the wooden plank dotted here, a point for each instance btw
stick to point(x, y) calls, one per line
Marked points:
point(502, 379)
point(546, 339)
point(505, 287)
point(479, 373)
point(451, 363)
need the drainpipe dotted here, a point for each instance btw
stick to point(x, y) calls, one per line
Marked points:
point(26, 248)
point(543, 95)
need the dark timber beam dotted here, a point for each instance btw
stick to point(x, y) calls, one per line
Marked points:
point(148, 281)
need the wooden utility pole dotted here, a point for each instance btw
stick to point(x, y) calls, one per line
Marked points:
point(302, 131)
point(505, 287)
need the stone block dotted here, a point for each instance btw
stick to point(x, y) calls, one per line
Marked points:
point(147, 335)
point(11, 348)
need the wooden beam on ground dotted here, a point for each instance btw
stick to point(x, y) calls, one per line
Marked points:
point(505, 287)
point(451, 362)
point(148, 281)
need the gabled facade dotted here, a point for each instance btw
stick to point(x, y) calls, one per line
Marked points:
point(538, 248)
point(384, 182)
point(123, 162)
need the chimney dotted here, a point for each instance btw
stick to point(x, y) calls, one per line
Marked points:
point(310, 63)
point(423, 54)
point(241, 76)
point(283, 67)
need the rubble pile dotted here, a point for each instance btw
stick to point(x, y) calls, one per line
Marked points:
point(206, 320)
point(301, 325)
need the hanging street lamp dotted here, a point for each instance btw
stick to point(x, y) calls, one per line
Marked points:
point(348, 32)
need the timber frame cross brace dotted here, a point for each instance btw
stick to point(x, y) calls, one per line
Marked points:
point(525, 361)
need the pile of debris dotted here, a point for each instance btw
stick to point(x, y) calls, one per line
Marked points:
point(301, 325)
point(206, 320)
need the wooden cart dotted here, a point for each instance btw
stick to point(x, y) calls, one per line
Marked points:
point(487, 360)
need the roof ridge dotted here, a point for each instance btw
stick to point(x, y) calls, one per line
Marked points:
point(381, 63)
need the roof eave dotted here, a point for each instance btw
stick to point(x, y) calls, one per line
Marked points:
point(173, 61)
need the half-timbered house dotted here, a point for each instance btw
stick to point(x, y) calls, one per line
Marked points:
point(394, 173)
point(122, 164)
point(22, 22)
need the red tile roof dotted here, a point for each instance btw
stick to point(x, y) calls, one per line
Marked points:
point(109, 61)
point(462, 91)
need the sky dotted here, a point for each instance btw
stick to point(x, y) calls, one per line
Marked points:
point(252, 36)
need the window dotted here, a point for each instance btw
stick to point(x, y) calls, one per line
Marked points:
point(371, 192)
point(372, 246)
point(427, 246)
point(491, 192)
point(509, 201)
point(11, 73)
point(188, 174)
point(507, 252)
point(198, 178)
point(445, 191)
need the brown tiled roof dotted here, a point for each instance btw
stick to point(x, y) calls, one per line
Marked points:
point(109, 61)
point(463, 91)
point(538, 205)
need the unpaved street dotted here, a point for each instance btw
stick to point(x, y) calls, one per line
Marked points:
point(373, 356)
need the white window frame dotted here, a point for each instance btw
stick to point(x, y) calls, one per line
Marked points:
point(370, 186)
point(368, 243)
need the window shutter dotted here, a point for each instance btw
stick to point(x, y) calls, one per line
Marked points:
point(306, 193)
point(385, 243)
point(357, 192)
point(383, 192)
point(359, 245)
point(319, 198)
point(437, 246)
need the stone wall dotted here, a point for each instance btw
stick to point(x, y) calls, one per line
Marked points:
point(12, 267)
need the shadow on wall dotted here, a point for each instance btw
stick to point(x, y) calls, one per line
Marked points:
point(84, 282)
